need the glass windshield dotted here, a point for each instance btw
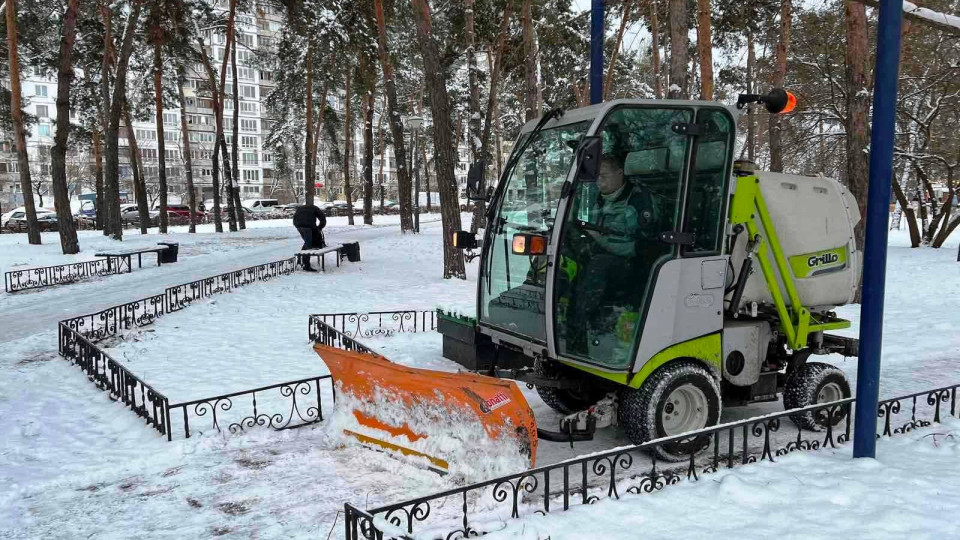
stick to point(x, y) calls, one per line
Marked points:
point(514, 286)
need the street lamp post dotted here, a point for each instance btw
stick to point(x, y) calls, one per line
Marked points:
point(414, 123)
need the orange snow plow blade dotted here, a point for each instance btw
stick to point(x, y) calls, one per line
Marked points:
point(446, 419)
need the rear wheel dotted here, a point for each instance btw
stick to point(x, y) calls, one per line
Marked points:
point(561, 400)
point(677, 398)
point(813, 383)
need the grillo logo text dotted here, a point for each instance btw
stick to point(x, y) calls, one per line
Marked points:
point(819, 260)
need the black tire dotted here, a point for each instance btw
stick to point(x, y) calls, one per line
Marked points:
point(641, 411)
point(565, 401)
point(809, 385)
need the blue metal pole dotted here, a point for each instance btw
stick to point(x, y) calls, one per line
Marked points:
point(596, 52)
point(878, 207)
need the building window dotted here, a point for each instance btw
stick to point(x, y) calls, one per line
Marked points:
point(172, 154)
point(266, 75)
point(267, 158)
point(248, 125)
point(43, 111)
point(249, 107)
point(243, 57)
point(246, 39)
point(248, 91)
point(245, 73)
point(144, 135)
point(43, 130)
point(41, 90)
point(201, 137)
point(251, 176)
point(172, 136)
point(249, 158)
point(248, 142)
point(170, 119)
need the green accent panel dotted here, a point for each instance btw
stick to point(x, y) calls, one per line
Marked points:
point(455, 318)
point(821, 261)
point(741, 209)
point(707, 348)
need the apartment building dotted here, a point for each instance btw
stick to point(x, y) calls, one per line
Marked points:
point(258, 177)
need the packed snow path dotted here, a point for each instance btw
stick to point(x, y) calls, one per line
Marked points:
point(27, 313)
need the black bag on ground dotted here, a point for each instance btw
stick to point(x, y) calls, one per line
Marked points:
point(169, 255)
point(352, 251)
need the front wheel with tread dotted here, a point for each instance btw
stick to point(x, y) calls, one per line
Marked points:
point(813, 383)
point(677, 398)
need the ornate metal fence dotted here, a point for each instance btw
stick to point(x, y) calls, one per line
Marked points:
point(375, 323)
point(308, 410)
point(483, 507)
point(48, 276)
point(111, 377)
point(179, 296)
point(78, 337)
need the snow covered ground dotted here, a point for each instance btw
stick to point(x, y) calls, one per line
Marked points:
point(912, 490)
point(73, 463)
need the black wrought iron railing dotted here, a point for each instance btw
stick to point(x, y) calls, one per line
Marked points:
point(78, 338)
point(179, 296)
point(62, 274)
point(111, 377)
point(308, 410)
point(484, 507)
point(375, 323)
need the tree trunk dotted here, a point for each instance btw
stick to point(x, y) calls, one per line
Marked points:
point(20, 139)
point(779, 73)
point(309, 175)
point(103, 197)
point(136, 167)
point(705, 50)
point(158, 105)
point(494, 66)
point(531, 90)
point(319, 123)
point(751, 83)
point(237, 205)
point(396, 124)
point(98, 180)
point(346, 152)
point(908, 213)
point(608, 80)
point(112, 170)
point(678, 50)
point(228, 173)
point(58, 154)
point(187, 156)
point(368, 148)
point(655, 48)
point(218, 120)
point(445, 152)
point(857, 127)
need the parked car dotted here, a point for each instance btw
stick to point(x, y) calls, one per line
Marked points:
point(180, 210)
point(17, 219)
point(130, 212)
point(259, 206)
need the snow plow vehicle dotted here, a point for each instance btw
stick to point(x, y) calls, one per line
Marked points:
point(636, 274)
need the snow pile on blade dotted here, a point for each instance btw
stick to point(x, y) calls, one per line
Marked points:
point(468, 425)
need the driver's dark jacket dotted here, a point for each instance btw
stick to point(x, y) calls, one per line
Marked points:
point(626, 215)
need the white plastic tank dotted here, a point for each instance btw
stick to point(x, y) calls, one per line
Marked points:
point(814, 219)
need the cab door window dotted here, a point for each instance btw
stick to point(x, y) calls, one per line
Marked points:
point(709, 181)
point(611, 246)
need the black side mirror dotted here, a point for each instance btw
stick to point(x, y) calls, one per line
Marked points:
point(475, 180)
point(588, 158)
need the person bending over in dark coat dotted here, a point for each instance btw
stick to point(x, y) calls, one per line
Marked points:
point(310, 221)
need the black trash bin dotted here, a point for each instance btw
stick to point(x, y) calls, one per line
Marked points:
point(352, 251)
point(169, 255)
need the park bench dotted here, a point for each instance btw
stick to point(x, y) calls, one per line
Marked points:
point(160, 250)
point(341, 250)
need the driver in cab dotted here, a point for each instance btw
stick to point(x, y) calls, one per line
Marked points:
point(621, 217)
